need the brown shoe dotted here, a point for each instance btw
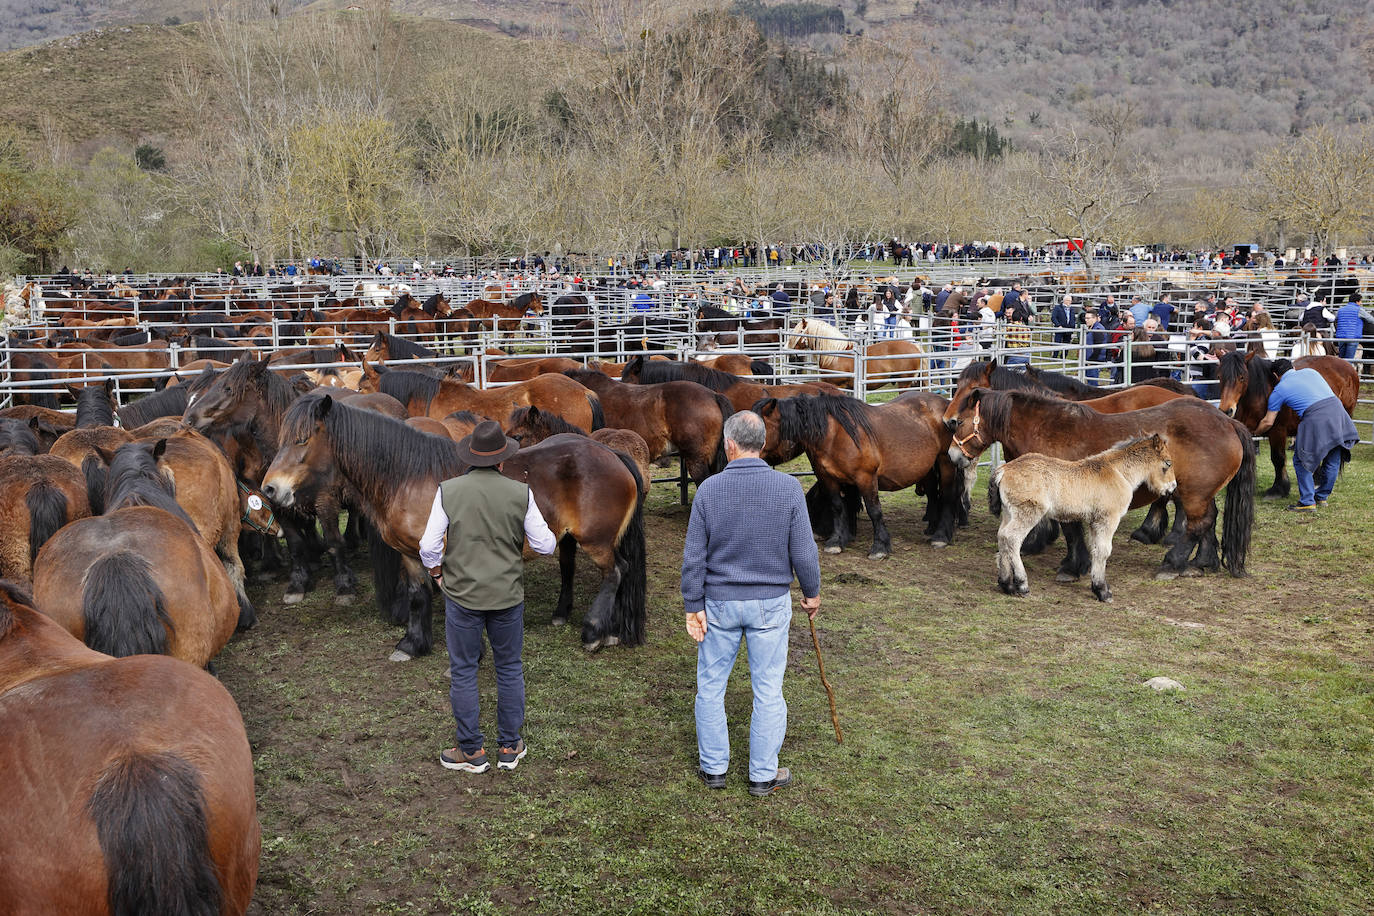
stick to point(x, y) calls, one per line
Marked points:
point(782, 780)
point(455, 758)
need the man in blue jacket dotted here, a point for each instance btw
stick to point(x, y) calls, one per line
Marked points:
point(1352, 321)
point(748, 534)
point(1325, 431)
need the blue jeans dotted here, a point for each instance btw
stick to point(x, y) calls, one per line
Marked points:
point(763, 623)
point(506, 632)
point(1308, 491)
point(1347, 349)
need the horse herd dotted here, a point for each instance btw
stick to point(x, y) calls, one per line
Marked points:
point(125, 542)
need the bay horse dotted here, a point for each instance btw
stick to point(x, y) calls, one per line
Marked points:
point(522, 370)
point(1072, 389)
point(18, 437)
point(681, 418)
point(850, 443)
point(137, 790)
point(1246, 384)
point(1210, 451)
point(1095, 492)
point(530, 426)
point(39, 494)
point(742, 393)
point(499, 316)
point(588, 494)
point(727, 329)
point(741, 364)
point(437, 398)
point(246, 403)
point(149, 583)
point(989, 374)
point(886, 362)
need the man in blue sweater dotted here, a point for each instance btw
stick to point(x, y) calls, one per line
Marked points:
point(1325, 431)
point(748, 534)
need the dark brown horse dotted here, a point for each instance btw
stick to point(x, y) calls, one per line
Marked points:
point(131, 785)
point(1210, 451)
point(680, 418)
point(988, 374)
point(530, 426)
point(742, 393)
point(725, 329)
point(38, 495)
point(850, 443)
point(500, 316)
point(430, 397)
point(148, 582)
point(1245, 388)
point(588, 494)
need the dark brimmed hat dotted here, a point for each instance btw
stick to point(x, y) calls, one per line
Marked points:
point(486, 446)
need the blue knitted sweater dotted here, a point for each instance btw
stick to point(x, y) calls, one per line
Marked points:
point(748, 533)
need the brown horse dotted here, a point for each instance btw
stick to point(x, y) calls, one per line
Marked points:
point(742, 393)
point(680, 418)
point(1245, 388)
point(522, 370)
point(149, 583)
point(1210, 451)
point(886, 362)
point(437, 398)
point(18, 437)
point(137, 786)
point(38, 495)
point(588, 494)
point(852, 444)
point(988, 374)
point(499, 316)
point(741, 364)
point(530, 426)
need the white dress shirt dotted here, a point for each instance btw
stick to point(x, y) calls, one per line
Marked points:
point(432, 543)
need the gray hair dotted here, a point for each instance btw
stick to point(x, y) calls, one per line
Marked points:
point(746, 430)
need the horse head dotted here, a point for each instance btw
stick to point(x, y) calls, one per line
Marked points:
point(970, 438)
point(1159, 466)
point(228, 398)
point(304, 453)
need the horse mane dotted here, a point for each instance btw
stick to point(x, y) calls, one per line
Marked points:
point(405, 385)
point(465, 416)
point(1233, 367)
point(523, 300)
point(1060, 383)
point(94, 407)
point(998, 408)
point(807, 419)
point(405, 348)
point(376, 453)
point(169, 402)
point(819, 331)
point(431, 305)
point(653, 371)
point(543, 423)
point(714, 311)
point(1002, 378)
point(12, 593)
point(1171, 384)
point(16, 436)
point(134, 480)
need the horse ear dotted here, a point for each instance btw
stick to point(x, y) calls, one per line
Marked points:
point(974, 396)
point(258, 367)
point(33, 424)
point(324, 406)
point(1156, 442)
point(159, 449)
point(106, 455)
point(1249, 355)
point(109, 387)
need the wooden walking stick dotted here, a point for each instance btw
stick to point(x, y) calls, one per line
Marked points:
point(834, 716)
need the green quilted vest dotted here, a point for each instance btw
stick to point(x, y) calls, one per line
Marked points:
point(486, 534)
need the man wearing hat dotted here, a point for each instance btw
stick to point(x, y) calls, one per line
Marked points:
point(472, 548)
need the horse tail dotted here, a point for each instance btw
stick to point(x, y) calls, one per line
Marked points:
point(760, 368)
point(96, 473)
point(995, 491)
point(123, 609)
point(719, 460)
point(598, 415)
point(1240, 506)
point(150, 817)
point(47, 512)
point(628, 614)
point(386, 575)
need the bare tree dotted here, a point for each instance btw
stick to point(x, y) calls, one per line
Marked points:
point(1321, 183)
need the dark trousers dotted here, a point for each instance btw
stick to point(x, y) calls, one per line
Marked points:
point(506, 633)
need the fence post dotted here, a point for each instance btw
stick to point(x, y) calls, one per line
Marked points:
point(861, 374)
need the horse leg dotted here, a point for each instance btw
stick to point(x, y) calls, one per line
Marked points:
point(1011, 572)
point(841, 535)
point(345, 583)
point(1156, 520)
point(1180, 522)
point(1205, 534)
point(1176, 560)
point(596, 625)
point(882, 540)
point(1099, 536)
point(353, 531)
point(420, 617)
point(228, 552)
point(1277, 454)
point(949, 495)
point(1076, 561)
point(970, 480)
point(1042, 535)
point(298, 581)
point(567, 565)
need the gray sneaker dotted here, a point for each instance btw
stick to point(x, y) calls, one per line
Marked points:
point(782, 780)
point(455, 758)
point(510, 757)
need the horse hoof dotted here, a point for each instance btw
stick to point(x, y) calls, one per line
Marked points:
point(1190, 572)
point(593, 646)
point(611, 641)
point(939, 545)
point(1141, 536)
point(344, 600)
point(559, 621)
point(1166, 575)
point(832, 549)
point(1021, 591)
point(399, 656)
point(1065, 577)
point(876, 555)
point(293, 598)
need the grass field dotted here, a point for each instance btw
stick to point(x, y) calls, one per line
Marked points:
point(1001, 755)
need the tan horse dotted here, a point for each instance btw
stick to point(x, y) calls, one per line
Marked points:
point(1096, 491)
point(886, 362)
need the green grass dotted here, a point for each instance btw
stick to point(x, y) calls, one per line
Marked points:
point(1000, 756)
